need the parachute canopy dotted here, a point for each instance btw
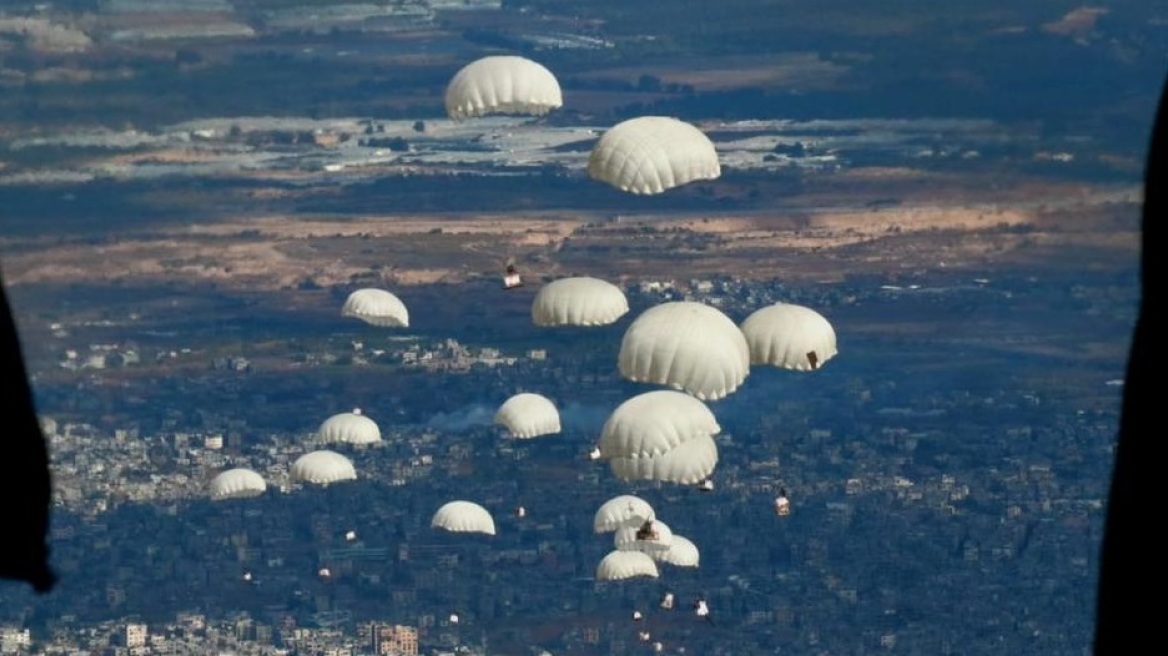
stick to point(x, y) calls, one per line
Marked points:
point(688, 346)
point(323, 467)
point(620, 565)
point(376, 307)
point(661, 436)
point(239, 483)
point(621, 510)
point(687, 463)
point(578, 301)
point(463, 517)
point(652, 154)
point(528, 415)
point(682, 552)
point(351, 428)
point(789, 336)
point(502, 84)
point(625, 538)
point(652, 423)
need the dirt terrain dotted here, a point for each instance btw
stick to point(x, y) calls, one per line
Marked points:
point(945, 229)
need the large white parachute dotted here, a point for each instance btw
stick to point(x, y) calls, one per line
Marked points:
point(463, 517)
point(652, 154)
point(376, 307)
point(527, 415)
point(789, 336)
point(620, 565)
point(350, 428)
point(622, 510)
point(238, 483)
point(688, 346)
point(323, 467)
point(688, 463)
point(502, 84)
point(653, 423)
point(578, 301)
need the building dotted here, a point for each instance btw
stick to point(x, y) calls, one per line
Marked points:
point(14, 640)
point(396, 640)
point(134, 635)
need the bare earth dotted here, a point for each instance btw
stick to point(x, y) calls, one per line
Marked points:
point(279, 252)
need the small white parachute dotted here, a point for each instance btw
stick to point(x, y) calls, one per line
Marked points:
point(578, 301)
point(682, 552)
point(323, 467)
point(463, 517)
point(349, 428)
point(620, 565)
point(376, 307)
point(238, 483)
point(627, 538)
point(621, 510)
point(789, 336)
point(527, 415)
point(652, 154)
point(502, 84)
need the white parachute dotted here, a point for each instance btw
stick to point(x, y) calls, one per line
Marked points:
point(621, 510)
point(376, 307)
point(688, 463)
point(682, 552)
point(652, 154)
point(789, 336)
point(578, 301)
point(652, 423)
point(527, 415)
point(502, 84)
point(238, 483)
point(350, 428)
point(620, 565)
point(626, 538)
point(663, 435)
point(323, 467)
point(688, 346)
point(463, 517)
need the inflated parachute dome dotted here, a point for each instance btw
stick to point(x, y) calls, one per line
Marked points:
point(463, 517)
point(625, 538)
point(652, 154)
point(502, 84)
point(654, 423)
point(323, 468)
point(622, 510)
point(350, 428)
point(239, 483)
point(789, 336)
point(376, 307)
point(686, 464)
point(578, 301)
point(620, 565)
point(682, 552)
point(688, 346)
point(527, 415)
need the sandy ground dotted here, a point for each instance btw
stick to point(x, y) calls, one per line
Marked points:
point(263, 258)
point(275, 252)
